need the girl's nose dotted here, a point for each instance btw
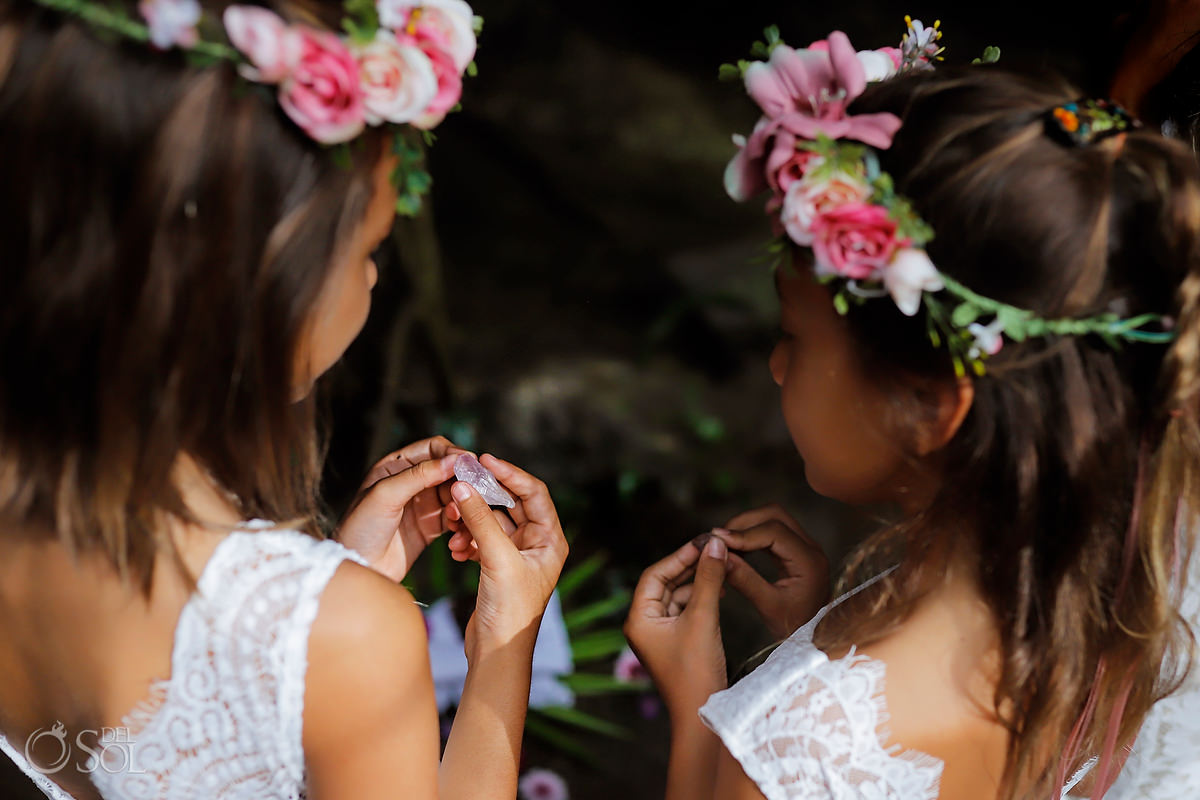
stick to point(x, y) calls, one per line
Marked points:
point(777, 363)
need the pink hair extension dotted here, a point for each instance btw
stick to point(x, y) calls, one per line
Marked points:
point(1071, 753)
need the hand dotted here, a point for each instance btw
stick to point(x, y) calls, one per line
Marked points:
point(518, 571)
point(399, 510)
point(801, 587)
point(674, 627)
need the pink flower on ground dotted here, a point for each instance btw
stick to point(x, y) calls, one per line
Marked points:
point(322, 92)
point(542, 784)
point(453, 19)
point(449, 81)
point(398, 81)
point(808, 199)
point(271, 47)
point(171, 22)
point(854, 240)
point(628, 668)
point(804, 93)
point(909, 276)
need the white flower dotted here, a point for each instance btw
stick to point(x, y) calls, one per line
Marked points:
point(807, 198)
point(877, 66)
point(452, 19)
point(266, 41)
point(988, 338)
point(542, 784)
point(908, 276)
point(171, 22)
point(398, 81)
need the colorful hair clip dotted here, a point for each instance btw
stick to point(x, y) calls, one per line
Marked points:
point(1087, 121)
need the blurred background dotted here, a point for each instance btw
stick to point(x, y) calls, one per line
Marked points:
point(583, 299)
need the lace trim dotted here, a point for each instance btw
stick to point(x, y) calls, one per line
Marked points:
point(48, 787)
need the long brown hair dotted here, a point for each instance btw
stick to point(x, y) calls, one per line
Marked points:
point(1075, 473)
point(165, 233)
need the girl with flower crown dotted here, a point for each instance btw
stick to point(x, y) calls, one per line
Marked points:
point(990, 301)
point(184, 256)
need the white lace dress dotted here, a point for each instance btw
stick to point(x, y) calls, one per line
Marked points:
point(805, 727)
point(227, 724)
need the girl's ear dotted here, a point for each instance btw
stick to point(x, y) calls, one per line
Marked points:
point(947, 404)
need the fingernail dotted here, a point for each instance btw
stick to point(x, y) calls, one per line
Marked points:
point(460, 491)
point(701, 540)
point(722, 531)
point(716, 548)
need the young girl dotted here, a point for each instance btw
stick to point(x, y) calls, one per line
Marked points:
point(1024, 388)
point(183, 257)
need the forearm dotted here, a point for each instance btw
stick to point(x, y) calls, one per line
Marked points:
point(484, 749)
point(692, 769)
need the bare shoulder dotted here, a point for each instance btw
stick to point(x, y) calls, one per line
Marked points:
point(940, 668)
point(370, 720)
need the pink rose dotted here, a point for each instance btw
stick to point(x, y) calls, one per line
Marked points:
point(453, 19)
point(266, 41)
point(171, 22)
point(449, 81)
point(322, 93)
point(398, 81)
point(791, 171)
point(855, 240)
point(807, 199)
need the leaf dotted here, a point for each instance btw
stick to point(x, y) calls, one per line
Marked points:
point(561, 740)
point(582, 617)
point(581, 719)
point(419, 182)
point(597, 645)
point(839, 302)
point(579, 575)
point(729, 72)
point(760, 50)
point(408, 206)
point(473, 70)
point(477, 24)
point(964, 315)
point(586, 684)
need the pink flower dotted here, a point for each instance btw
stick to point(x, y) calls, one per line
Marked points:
point(542, 784)
point(453, 19)
point(791, 171)
point(909, 275)
point(628, 668)
point(803, 93)
point(449, 81)
point(854, 240)
point(808, 199)
point(398, 81)
point(322, 93)
point(171, 22)
point(266, 41)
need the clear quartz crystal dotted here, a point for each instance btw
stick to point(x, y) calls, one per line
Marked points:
point(468, 470)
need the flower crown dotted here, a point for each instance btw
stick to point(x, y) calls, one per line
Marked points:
point(828, 192)
point(400, 63)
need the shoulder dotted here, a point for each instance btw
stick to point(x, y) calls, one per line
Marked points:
point(369, 691)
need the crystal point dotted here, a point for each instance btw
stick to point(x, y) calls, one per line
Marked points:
point(468, 470)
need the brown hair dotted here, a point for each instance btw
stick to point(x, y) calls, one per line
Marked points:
point(1075, 472)
point(165, 233)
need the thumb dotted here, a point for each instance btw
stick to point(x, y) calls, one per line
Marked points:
point(710, 575)
point(480, 521)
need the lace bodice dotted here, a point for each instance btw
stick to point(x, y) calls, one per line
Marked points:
point(805, 727)
point(227, 723)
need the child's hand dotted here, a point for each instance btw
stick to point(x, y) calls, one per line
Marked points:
point(802, 585)
point(675, 629)
point(399, 510)
point(518, 570)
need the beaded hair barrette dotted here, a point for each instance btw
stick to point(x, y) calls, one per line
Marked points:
point(1087, 121)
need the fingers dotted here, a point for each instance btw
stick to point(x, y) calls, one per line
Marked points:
point(399, 460)
point(758, 516)
point(535, 502)
point(489, 536)
point(653, 590)
point(710, 575)
point(751, 584)
point(789, 549)
point(392, 493)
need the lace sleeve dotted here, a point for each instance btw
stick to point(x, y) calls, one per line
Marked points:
point(806, 728)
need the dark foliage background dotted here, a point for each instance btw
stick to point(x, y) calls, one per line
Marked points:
point(583, 298)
